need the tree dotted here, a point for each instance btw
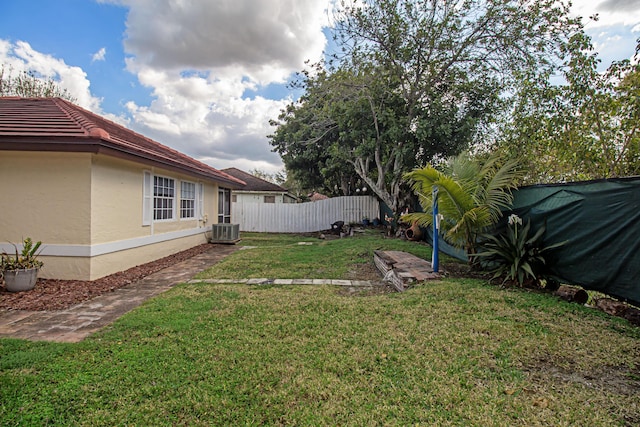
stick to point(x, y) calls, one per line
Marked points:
point(28, 84)
point(308, 138)
point(471, 195)
point(416, 80)
point(585, 128)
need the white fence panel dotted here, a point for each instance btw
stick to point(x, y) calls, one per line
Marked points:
point(302, 217)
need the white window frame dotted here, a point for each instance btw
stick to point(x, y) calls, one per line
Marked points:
point(200, 200)
point(164, 198)
point(147, 198)
point(188, 200)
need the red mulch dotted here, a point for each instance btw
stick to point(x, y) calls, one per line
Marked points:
point(50, 294)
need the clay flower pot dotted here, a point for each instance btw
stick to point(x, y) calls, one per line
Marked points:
point(413, 233)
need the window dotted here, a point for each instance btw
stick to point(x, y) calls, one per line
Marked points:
point(224, 206)
point(269, 199)
point(160, 199)
point(187, 200)
point(163, 198)
point(234, 198)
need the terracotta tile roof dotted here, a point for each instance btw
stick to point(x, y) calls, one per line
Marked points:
point(314, 197)
point(253, 182)
point(54, 124)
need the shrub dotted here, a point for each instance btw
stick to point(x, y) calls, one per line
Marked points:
point(514, 255)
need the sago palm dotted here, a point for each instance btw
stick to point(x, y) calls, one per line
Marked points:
point(471, 196)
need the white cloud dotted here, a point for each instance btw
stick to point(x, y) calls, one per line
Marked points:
point(207, 117)
point(21, 57)
point(99, 55)
point(263, 39)
point(610, 12)
point(614, 33)
point(199, 59)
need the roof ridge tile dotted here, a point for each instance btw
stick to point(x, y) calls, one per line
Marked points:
point(74, 115)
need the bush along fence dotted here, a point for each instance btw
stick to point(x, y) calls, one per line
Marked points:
point(303, 217)
point(600, 222)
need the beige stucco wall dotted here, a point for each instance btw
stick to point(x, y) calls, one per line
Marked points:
point(65, 268)
point(116, 200)
point(107, 264)
point(79, 204)
point(45, 196)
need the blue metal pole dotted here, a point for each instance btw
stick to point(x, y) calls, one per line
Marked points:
point(436, 226)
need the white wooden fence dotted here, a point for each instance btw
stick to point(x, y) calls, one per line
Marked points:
point(303, 217)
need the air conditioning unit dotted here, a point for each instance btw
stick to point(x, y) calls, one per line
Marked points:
point(225, 233)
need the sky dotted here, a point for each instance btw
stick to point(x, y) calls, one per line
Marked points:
point(205, 76)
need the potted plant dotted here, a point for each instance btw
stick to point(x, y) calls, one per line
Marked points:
point(20, 271)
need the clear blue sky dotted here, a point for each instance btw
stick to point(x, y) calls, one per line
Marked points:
point(204, 77)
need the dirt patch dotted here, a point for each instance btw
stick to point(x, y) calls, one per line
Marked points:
point(365, 271)
point(615, 379)
point(461, 269)
point(52, 294)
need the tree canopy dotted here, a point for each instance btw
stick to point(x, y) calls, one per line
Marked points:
point(414, 81)
point(585, 127)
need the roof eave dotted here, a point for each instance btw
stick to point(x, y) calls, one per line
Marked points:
point(101, 146)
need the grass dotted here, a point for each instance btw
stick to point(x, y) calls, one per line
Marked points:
point(452, 352)
point(284, 256)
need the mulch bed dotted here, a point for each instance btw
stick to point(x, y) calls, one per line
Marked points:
point(50, 294)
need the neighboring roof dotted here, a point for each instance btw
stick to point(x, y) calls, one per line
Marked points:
point(314, 197)
point(54, 124)
point(253, 182)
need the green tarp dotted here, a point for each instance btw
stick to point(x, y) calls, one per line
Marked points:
point(600, 220)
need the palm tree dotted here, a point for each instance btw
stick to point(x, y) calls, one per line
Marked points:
point(471, 196)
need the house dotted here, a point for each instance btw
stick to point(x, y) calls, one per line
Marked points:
point(100, 197)
point(258, 190)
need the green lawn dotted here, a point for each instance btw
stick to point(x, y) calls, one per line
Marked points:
point(285, 256)
point(453, 352)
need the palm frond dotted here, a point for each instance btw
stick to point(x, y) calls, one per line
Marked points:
point(499, 188)
point(471, 195)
